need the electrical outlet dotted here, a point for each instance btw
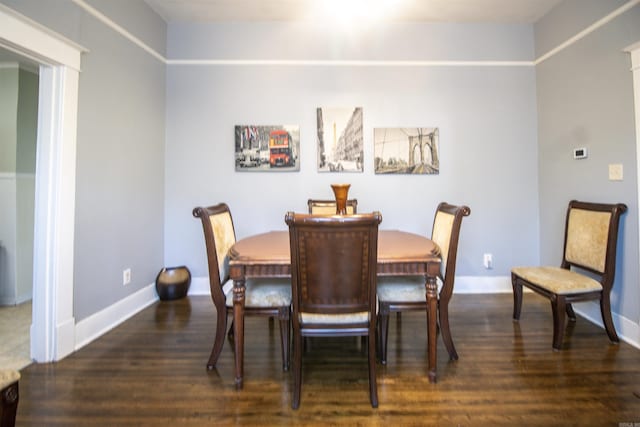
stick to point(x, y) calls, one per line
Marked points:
point(126, 276)
point(487, 260)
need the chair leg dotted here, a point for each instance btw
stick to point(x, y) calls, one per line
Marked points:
point(443, 313)
point(570, 313)
point(285, 334)
point(605, 310)
point(383, 325)
point(373, 385)
point(221, 328)
point(517, 297)
point(297, 369)
point(558, 307)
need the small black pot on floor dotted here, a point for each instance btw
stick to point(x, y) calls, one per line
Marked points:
point(173, 283)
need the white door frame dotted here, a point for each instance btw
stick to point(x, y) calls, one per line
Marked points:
point(53, 324)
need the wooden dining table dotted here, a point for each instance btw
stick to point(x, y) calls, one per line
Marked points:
point(268, 255)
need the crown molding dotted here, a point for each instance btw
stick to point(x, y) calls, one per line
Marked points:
point(590, 29)
point(118, 29)
point(349, 63)
point(352, 63)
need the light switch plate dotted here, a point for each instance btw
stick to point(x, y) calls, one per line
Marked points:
point(615, 172)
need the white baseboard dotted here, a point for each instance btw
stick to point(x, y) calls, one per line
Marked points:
point(482, 285)
point(11, 301)
point(628, 331)
point(65, 339)
point(24, 298)
point(199, 286)
point(103, 321)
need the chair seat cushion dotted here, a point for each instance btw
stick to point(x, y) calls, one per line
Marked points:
point(334, 319)
point(557, 280)
point(268, 292)
point(401, 288)
point(8, 377)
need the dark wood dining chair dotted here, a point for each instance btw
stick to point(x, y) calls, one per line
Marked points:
point(408, 293)
point(590, 240)
point(333, 271)
point(328, 207)
point(9, 396)
point(264, 297)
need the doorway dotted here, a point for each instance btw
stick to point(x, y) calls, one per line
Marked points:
point(53, 325)
point(18, 124)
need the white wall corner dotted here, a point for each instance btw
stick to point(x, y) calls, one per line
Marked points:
point(103, 321)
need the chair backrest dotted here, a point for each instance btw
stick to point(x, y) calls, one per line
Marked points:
point(591, 235)
point(333, 263)
point(219, 236)
point(445, 233)
point(328, 207)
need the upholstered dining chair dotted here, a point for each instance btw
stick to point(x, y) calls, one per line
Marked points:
point(9, 396)
point(264, 297)
point(408, 293)
point(333, 274)
point(328, 207)
point(587, 269)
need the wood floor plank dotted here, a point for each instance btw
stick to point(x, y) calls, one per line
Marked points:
point(152, 371)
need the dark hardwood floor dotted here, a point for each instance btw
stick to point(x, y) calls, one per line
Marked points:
point(151, 371)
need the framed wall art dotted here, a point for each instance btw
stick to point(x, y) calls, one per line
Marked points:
point(267, 148)
point(340, 147)
point(406, 150)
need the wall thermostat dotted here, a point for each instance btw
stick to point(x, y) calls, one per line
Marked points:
point(580, 153)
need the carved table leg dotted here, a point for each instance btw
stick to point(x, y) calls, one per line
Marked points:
point(432, 328)
point(238, 328)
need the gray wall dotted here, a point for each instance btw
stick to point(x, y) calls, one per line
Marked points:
point(9, 84)
point(25, 182)
point(585, 99)
point(9, 77)
point(568, 19)
point(506, 133)
point(18, 124)
point(486, 115)
point(120, 147)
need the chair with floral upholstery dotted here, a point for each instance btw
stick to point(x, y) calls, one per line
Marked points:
point(590, 239)
point(265, 297)
point(328, 207)
point(408, 293)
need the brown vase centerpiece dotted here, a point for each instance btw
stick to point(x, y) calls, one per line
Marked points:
point(341, 191)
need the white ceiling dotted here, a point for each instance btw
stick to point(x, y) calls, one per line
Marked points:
point(486, 11)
